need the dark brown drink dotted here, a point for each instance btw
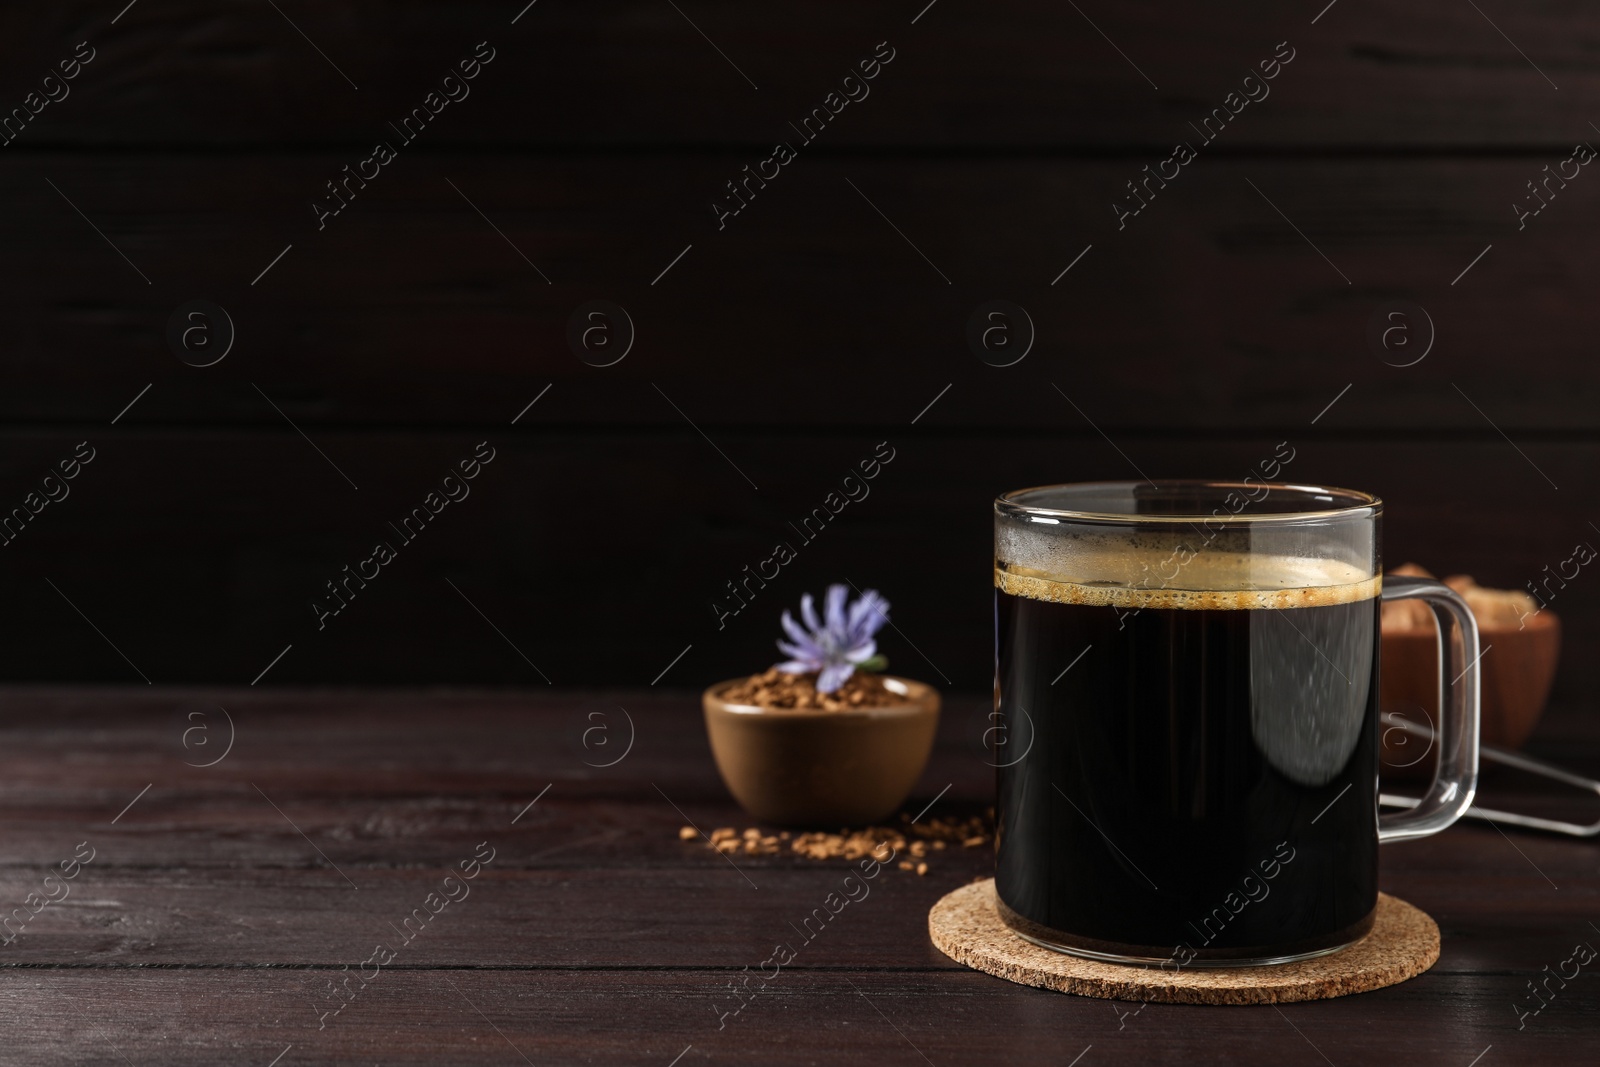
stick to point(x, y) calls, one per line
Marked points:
point(1190, 771)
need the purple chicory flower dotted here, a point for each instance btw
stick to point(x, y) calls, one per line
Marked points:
point(835, 646)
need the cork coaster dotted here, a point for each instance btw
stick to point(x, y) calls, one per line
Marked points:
point(1402, 944)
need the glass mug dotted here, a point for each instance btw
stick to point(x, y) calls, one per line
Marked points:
point(1186, 684)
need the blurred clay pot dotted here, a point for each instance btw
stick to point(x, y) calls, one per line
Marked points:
point(1516, 674)
point(799, 767)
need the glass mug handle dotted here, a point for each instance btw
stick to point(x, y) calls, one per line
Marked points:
point(1456, 778)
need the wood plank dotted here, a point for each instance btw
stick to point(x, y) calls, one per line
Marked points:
point(1017, 74)
point(200, 554)
point(1207, 312)
point(402, 779)
point(571, 960)
point(408, 784)
point(432, 1016)
point(1499, 915)
point(425, 774)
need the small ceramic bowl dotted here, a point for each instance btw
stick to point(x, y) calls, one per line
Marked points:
point(1517, 668)
point(797, 767)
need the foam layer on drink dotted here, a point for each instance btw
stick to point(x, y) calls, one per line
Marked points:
point(1208, 581)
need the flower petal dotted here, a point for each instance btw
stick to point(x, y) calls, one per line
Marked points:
point(802, 653)
point(838, 622)
point(833, 676)
point(808, 612)
point(862, 652)
point(792, 628)
point(795, 667)
point(868, 615)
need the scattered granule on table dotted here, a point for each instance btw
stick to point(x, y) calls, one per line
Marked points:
point(777, 689)
point(916, 840)
point(751, 842)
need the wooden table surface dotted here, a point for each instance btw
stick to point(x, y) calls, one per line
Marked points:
point(220, 901)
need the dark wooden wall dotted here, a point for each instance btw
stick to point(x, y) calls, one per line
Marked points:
point(796, 338)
